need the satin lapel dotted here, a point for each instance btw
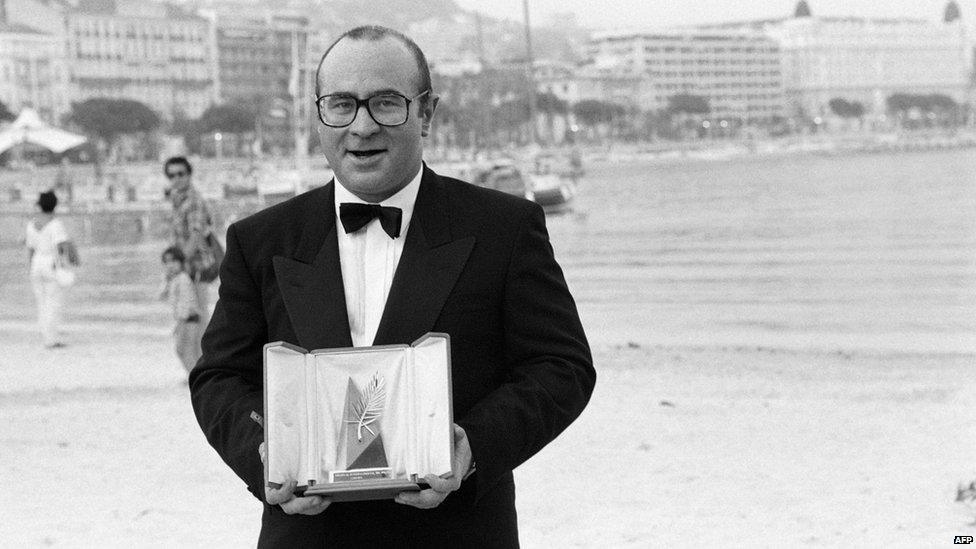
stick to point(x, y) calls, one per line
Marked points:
point(311, 283)
point(430, 265)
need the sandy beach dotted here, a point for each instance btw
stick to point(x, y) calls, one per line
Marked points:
point(680, 447)
point(785, 352)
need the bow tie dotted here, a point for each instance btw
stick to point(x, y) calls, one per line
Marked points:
point(355, 216)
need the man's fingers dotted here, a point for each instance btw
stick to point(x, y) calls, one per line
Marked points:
point(424, 499)
point(276, 496)
point(433, 496)
point(458, 432)
point(285, 497)
point(311, 505)
point(461, 461)
point(443, 485)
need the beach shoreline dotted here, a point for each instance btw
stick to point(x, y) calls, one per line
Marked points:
point(706, 445)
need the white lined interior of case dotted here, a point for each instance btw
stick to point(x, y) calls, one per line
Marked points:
point(306, 393)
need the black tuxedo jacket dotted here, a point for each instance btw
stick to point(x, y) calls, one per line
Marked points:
point(477, 264)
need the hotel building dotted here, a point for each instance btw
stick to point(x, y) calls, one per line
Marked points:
point(589, 82)
point(738, 72)
point(866, 59)
point(153, 53)
point(33, 72)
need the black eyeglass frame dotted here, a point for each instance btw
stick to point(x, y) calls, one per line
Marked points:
point(172, 175)
point(365, 103)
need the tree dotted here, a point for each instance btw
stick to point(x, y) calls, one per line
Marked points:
point(109, 118)
point(940, 102)
point(187, 129)
point(846, 109)
point(910, 109)
point(684, 108)
point(900, 102)
point(592, 112)
point(597, 114)
point(239, 119)
point(105, 120)
point(952, 12)
point(802, 9)
point(5, 113)
point(551, 108)
point(226, 118)
point(511, 117)
point(688, 104)
point(550, 104)
point(944, 109)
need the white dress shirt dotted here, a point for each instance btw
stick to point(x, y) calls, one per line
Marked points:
point(368, 259)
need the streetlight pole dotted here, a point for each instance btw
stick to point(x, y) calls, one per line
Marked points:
point(483, 132)
point(295, 89)
point(530, 73)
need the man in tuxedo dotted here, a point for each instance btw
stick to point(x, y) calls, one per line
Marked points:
point(383, 254)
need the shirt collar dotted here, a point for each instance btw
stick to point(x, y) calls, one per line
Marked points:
point(404, 199)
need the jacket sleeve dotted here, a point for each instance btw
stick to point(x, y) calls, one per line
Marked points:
point(551, 374)
point(226, 386)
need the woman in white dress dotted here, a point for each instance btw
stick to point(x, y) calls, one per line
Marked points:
point(47, 244)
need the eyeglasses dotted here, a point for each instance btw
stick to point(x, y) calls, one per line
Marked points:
point(174, 175)
point(338, 110)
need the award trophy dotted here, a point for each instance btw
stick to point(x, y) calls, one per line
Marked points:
point(362, 437)
point(358, 423)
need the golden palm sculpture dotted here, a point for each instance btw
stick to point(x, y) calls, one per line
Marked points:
point(364, 409)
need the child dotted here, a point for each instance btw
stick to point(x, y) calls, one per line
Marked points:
point(183, 299)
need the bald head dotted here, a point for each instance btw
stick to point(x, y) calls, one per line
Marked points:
point(377, 33)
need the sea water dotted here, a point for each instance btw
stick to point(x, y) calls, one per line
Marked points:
point(870, 251)
point(862, 251)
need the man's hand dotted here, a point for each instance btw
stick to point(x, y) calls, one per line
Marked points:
point(443, 485)
point(285, 496)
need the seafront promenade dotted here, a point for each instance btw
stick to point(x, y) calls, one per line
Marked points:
point(128, 206)
point(142, 182)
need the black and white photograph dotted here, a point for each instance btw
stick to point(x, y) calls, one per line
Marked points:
point(487, 273)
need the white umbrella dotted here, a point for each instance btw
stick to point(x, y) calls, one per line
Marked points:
point(29, 128)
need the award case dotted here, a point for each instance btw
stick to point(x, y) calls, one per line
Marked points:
point(358, 423)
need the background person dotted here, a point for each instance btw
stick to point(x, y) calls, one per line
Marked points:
point(47, 245)
point(190, 225)
point(179, 291)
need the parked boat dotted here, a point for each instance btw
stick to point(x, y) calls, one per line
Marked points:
point(502, 176)
point(553, 189)
point(554, 179)
point(553, 192)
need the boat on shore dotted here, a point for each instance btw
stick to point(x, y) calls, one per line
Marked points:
point(555, 179)
point(542, 180)
point(553, 192)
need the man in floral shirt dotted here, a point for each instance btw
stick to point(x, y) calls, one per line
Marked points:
point(191, 223)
